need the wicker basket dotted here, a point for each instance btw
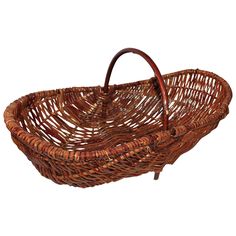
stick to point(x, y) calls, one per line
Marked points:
point(85, 136)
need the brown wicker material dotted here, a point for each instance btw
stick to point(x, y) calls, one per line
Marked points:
point(85, 136)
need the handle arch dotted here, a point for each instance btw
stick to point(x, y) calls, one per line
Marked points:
point(157, 74)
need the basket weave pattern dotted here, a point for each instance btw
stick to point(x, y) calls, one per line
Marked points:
point(85, 136)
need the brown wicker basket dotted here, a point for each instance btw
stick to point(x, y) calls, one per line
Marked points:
point(85, 136)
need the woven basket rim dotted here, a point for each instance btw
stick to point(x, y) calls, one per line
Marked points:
point(54, 152)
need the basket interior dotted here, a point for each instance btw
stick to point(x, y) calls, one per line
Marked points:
point(86, 119)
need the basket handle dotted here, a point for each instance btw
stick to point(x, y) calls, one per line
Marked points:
point(157, 76)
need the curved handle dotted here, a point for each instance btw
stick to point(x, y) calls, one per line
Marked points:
point(157, 75)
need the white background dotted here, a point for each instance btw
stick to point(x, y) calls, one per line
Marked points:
point(55, 44)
